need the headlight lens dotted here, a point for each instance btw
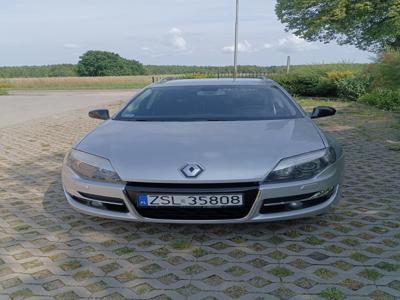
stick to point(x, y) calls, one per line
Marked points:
point(302, 167)
point(91, 166)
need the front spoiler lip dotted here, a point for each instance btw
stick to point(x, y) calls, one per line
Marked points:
point(252, 216)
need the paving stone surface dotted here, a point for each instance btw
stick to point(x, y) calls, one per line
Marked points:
point(47, 250)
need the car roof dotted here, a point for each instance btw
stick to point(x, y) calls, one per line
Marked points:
point(213, 81)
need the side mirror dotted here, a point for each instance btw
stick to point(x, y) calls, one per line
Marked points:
point(322, 111)
point(101, 114)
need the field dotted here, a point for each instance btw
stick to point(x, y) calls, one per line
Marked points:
point(131, 82)
point(324, 68)
point(70, 70)
point(78, 83)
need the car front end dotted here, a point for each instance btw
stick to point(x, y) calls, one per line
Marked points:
point(263, 201)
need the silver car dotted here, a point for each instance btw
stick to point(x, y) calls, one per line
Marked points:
point(206, 151)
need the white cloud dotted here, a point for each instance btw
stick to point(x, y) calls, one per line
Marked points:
point(176, 39)
point(268, 46)
point(71, 46)
point(151, 52)
point(244, 46)
point(294, 44)
point(175, 30)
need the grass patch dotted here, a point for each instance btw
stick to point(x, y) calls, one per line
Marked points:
point(281, 272)
point(332, 294)
point(370, 274)
point(313, 240)
point(83, 275)
point(359, 257)
point(387, 266)
point(181, 244)
point(199, 252)
point(22, 227)
point(122, 251)
point(309, 103)
point(3, 92)
point(325, 273)
point(71, 265)
point(21, 294)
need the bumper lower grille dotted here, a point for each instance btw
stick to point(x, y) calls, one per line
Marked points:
point(285, 204)
point(101, 202)
point(249, 190)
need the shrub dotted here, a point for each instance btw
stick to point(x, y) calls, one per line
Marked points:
point(313, 84)
point(336, 76)
point(299, 84)
point(353, 88)
point(382, 98)
point(386, 71)
point(102, 63)
point(328, 83)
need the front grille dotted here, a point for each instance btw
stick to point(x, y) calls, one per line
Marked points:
point(249, 191)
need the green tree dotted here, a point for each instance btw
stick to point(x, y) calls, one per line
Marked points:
point(367, 24)
point(102, 63)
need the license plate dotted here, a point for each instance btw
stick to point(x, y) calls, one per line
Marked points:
point(190, 200)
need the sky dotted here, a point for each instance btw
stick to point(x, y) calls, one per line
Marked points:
point(173, 32)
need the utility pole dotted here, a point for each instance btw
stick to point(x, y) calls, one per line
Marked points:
point(236, 40)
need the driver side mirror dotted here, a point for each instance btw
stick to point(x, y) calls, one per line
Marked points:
point(322, 111)
point(101, 114)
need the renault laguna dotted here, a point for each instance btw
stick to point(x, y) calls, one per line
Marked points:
point(206, 151)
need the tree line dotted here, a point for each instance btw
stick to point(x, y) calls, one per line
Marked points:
point(102, 63)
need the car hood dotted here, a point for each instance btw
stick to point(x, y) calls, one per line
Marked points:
point(228, 151)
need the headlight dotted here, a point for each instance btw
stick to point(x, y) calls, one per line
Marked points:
point(91, 166)
point(303, 166)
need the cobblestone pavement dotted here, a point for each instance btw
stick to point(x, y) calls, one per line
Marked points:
point(48, 250)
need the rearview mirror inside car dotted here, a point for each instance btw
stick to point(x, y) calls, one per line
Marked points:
point(101, 114)
point(322, 111)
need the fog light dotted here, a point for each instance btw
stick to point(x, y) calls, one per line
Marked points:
point(295, 205)
point(96, 204)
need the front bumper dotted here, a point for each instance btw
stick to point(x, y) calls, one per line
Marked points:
point(79, 193)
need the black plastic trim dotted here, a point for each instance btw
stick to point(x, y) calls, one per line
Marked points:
point(279, 207)
point(102, 198)
point(104, 206)
point(249, 191)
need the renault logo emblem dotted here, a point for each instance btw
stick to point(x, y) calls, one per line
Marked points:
point(192, 170)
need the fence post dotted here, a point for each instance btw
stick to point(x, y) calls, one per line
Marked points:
point(288, 65)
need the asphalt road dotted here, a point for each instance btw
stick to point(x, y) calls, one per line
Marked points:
point(20, 107)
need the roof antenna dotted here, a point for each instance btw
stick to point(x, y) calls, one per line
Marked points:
point(236, 40)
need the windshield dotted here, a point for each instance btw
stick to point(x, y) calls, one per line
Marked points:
point(210, 103)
